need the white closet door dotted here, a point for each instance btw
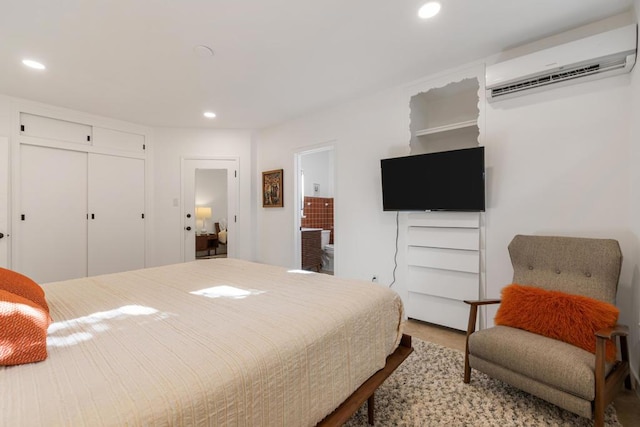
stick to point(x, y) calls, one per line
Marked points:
point(116, 208)
point(60, 130)
point(52, 226)
point(118, 140)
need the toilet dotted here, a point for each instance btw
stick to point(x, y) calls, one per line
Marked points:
point(327, 250)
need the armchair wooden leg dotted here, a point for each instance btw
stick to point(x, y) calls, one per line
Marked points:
point(370, 408)
point(471, 327)
point(600, 379)
point(598, 418)
point(467, 369)
point(606, 386)
point(624, 351)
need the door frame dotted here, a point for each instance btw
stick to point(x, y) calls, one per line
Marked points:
point(299, 198)
point(231, 163)
point(5, 202)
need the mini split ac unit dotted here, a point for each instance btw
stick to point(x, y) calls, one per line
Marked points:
point(602, 55)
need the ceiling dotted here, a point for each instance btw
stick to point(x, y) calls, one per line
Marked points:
point(274, 59)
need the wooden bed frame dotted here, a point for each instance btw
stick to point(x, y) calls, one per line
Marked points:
point(366, 392)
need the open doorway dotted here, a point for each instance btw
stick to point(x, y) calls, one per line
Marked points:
point(209, 205)
point(315, 209)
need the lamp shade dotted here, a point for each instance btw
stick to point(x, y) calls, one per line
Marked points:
point(203, 212)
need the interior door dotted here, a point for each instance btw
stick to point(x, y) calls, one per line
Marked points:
point(4, 202)
point(189, 167)
point(116, 214)
point(51, 230)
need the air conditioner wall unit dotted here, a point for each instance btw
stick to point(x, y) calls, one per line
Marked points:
point(602, 55)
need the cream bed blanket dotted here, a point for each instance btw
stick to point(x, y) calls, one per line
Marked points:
point(220, 342)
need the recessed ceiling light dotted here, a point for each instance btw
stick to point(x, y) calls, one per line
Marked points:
point(429, 10)
point(209, 114)
point(33, 64)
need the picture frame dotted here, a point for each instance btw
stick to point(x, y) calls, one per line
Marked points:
point(272, 190)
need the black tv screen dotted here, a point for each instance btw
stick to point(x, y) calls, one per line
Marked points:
point(443, 181)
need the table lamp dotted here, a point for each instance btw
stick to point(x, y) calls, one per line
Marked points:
point(203, 213)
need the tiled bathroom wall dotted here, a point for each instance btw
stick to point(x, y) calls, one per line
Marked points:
point(318, 213)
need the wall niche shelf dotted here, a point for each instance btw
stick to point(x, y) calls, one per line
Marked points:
point(446, 128)
point(445, 118)
point(443, 250)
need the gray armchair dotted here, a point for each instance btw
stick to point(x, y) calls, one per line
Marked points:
point(555, 371)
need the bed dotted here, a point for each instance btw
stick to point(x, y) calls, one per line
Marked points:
point(218, 342)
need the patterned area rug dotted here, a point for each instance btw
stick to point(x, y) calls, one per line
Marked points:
point(427, 390)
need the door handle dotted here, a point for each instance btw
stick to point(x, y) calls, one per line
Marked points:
point(1, 235)
point(188, 228)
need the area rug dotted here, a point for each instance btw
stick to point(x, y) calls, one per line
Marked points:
point(427, 390)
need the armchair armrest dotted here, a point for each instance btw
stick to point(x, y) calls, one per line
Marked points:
point(621, 368)
point(482, 302)
point(609, 333)
point(473, 312)
point(602, 336)
point(471, 328)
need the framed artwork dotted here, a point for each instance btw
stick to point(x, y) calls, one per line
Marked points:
point(272, 189)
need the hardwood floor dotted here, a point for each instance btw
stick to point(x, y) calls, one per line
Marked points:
point(627, 403)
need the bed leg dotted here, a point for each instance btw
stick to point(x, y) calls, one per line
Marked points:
point(370, 408)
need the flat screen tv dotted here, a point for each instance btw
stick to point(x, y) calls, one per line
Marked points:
point(443, 181)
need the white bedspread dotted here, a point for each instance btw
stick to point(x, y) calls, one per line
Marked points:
point(219, 342)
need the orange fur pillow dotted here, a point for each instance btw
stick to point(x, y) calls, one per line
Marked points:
point(16, 283)
point(23, 330)
point(570, 318)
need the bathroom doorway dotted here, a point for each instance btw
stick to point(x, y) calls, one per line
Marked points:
point(315, 208)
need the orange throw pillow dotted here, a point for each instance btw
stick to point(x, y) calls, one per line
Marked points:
point(23, 330)
point(16, 283)
point(573, 319)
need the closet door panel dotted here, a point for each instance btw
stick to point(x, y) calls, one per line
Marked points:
point(53, 235)
point(59, 130)
point(116, 207)
point(115, 139)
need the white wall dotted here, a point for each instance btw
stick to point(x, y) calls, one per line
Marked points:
point(5, 115)
point(632, 312)
point(362, 132)
point(173, 144)
point(558, 162)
